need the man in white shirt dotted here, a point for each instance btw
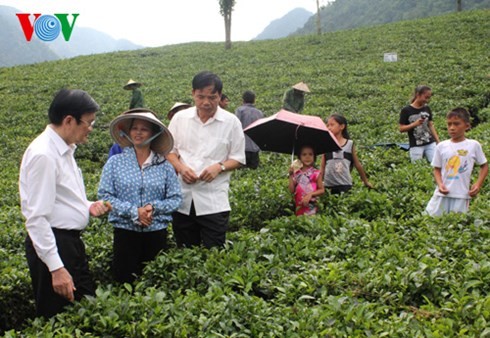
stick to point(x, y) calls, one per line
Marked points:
point(55, 205)
point(208, 144)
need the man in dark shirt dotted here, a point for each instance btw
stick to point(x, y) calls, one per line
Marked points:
point(247, 113)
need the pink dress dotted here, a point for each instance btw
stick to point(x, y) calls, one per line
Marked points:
point(305, 183)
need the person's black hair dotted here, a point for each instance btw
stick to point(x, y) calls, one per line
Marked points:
point(248, 97)
point(461, 113)
point(340, 120)
point(204, 79)
point(419, 90)
point(73, 102)
point(223, 97)
point(300, 149)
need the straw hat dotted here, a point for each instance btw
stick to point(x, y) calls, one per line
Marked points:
point(177, 107)
point(302, 87)
point(130, 83)
point(119, 129)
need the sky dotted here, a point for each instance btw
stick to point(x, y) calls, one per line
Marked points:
point(158, 23)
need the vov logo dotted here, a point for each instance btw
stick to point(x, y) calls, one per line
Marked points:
point(46, 27)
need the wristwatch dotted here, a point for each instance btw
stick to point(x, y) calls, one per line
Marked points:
point(223, 168)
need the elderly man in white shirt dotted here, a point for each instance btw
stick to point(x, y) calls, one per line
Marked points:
point(208, 144)
point(55, 205)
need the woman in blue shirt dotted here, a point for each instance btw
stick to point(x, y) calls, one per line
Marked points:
point(142, 188)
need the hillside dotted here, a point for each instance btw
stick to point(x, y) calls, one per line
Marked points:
point(84, 41)
point(369, 265)
point(286, 25)
point(348, 14)
point(15, 50)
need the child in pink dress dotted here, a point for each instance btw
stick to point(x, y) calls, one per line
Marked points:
point(306, 182)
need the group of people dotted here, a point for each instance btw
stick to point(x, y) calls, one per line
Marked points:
point(453, 160)
point(181, 174)
point(307, 182)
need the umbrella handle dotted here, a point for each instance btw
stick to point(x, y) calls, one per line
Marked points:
point(294, 144)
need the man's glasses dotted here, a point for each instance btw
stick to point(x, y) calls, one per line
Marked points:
point(89, 124)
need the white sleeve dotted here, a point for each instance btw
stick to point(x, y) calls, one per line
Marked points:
point(479, 154)
point(39, 202)
point(437, 159)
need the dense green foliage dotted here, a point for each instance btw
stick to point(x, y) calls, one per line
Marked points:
point(370, 264)
point(348, 14)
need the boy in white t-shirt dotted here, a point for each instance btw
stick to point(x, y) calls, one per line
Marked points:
point(453, 163)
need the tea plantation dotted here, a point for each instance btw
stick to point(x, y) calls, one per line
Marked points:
point(369, 265)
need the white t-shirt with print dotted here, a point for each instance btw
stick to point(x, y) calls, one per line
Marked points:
point(456, 160)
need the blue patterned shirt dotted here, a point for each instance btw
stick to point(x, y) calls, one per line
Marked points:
point(128, 187)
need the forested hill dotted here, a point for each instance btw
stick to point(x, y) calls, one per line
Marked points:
point(347, 14)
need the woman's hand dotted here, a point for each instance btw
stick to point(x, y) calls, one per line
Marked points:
point(145, 215)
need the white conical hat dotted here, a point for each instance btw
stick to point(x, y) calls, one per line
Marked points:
point(302, 86)
point(177, 106)
point(131, 82)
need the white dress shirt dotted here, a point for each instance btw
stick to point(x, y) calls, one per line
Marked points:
point(52, 194)
point(201, 145)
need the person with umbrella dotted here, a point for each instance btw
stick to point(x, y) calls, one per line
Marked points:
point(289, 133)
point(285, 132)
point(306, 182)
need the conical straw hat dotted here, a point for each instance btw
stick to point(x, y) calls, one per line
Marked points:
point(302, 87)
point(130, 83)
point(177, 107)
point(120, 126)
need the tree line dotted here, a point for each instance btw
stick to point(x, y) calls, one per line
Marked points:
point(346, 14)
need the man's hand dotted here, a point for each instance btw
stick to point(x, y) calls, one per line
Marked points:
point(100, 208)
point(188, 175)
point(63, 284)
point(210, 173)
